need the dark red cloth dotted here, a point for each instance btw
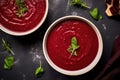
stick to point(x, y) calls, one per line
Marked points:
point(111, 70)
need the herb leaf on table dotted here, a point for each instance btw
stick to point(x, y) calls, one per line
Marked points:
point(7, 46)
point(8, 62)
point(79, 3)
point(95, 14)
point(39, 70)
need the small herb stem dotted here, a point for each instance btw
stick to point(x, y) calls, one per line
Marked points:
point(70, 56)
point(40, 64)
point(12, 52)
point(7, 46)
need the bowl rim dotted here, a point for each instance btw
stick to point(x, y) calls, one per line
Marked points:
point(91, 65)
point(15, 33)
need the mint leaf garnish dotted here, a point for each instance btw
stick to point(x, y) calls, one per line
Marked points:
point(21, 7)
point(73, 47)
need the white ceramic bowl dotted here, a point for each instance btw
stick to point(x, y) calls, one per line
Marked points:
point(15, 33)
point(74, 72)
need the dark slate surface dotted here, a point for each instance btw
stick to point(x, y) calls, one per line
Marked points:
point(28, 49)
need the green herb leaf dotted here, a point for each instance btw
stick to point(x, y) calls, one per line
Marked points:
point(79, 3)
point(95, 14)
point(74, 41)
point(39, 70)
point(73, 47)
point(21, 7)
point(8, 62)
point(7, 46)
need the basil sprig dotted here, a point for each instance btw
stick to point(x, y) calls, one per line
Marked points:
point(73, 47)
point(9, 60)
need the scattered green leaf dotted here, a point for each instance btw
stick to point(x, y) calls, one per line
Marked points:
point(95, 14)
point(39, 70)
point(21, 7)
point(79, 3)
point(8, 62)
point(73, 47)
point(7, 46)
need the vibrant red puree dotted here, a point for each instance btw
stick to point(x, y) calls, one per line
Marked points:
point(9, 19)
point(60, 39)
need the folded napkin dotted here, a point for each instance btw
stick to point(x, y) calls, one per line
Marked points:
point(111, 70)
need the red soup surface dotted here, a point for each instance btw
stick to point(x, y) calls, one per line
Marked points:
point(59, 40)
point(31, 18)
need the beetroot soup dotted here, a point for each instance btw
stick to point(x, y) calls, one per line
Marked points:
point(59, 40)
point(9, 17)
